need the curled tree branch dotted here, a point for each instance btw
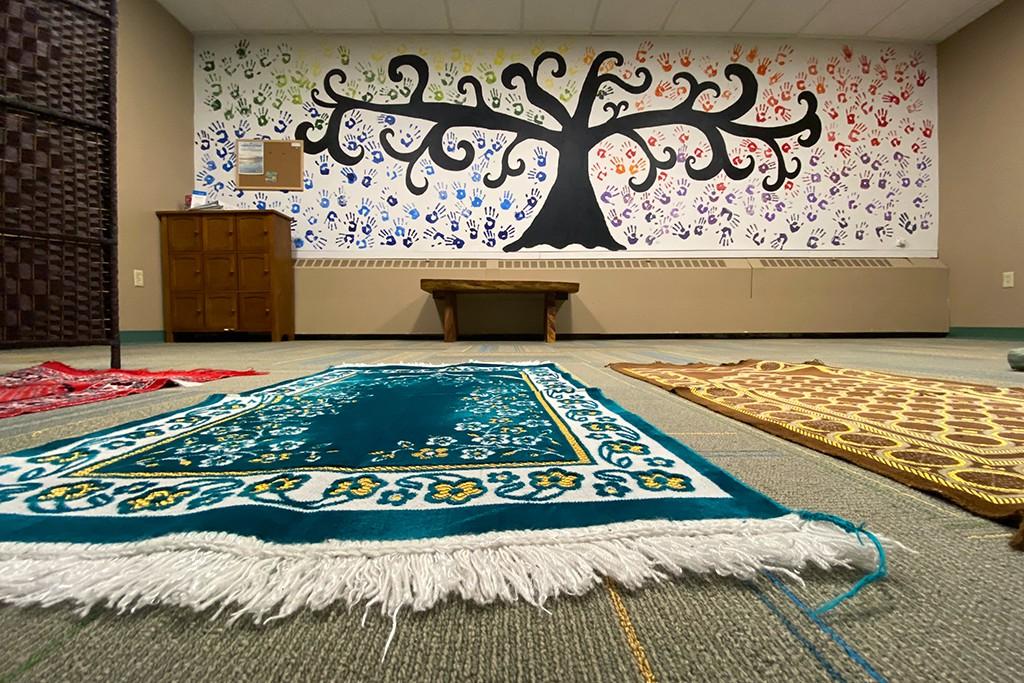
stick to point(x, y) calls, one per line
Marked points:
point(507, 170)
point(715, 124)
point(536, 95)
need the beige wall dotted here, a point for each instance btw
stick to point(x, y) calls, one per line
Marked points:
point(154, 147)
point(981, 167)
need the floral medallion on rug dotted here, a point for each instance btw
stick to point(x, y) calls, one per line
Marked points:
point(962, 441)
point(389, 485)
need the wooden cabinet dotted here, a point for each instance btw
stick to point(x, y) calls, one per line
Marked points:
point(227, 271)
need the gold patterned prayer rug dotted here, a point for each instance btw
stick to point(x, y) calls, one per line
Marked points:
point(962, 441)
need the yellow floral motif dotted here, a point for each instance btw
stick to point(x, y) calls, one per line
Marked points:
point(278, 484)
point(268, 458)
point(627, 447)
point(426, 453)
point(455, 493)
point(62, 458)
point(360, 487)
point(656, 480)
point(557, 478)
point(70, 491)
point(156, 499)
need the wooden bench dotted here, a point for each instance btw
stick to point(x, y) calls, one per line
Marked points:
point(446, 291)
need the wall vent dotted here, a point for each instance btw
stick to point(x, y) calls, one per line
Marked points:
point(607, 264)
point(377, 264)
point(826, 263)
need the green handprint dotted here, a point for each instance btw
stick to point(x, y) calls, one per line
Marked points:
point(243, 107)
point(280, 79)
point(286, 52)
point(242, 49)
point(569, 91)
point(228, 65)
point(495, 98)
point(320, 122)
point(278, 99)
point(296, 94)
point(229, 114)
point(235, 91)
point(343, 55)
point(604, 92)
point(262, 117)
point(213, 103)
point(404, 90)
point(213, 80)
point(487, 72)
point(537, 117)
point(368, 96)
point(262, 94)
point(448, 76)
point(367, 70)
point(436, 91)
point(208, 58)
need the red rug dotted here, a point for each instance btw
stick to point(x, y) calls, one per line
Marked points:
point(55, 385)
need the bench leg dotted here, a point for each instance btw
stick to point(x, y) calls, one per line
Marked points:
point(451, 321)
point(550, 309)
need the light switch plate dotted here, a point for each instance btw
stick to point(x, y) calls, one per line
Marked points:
point(1008, 279)
point(138, 278)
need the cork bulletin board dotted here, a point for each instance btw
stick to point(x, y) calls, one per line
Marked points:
point(269, 164)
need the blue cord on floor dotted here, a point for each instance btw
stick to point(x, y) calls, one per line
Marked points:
point(846, 525)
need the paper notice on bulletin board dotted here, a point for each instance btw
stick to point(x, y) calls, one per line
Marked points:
point(250, 157)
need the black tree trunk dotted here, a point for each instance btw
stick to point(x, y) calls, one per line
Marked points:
point(570, 214)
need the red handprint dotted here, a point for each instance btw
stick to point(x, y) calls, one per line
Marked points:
point(662, 88)
point(926, 128)
point(882, 117)
point(737, 51)
point(684, 57)
point(922, 77)
point(858, 130)
point(642, 50)
point(812, 66)
point(752, 55)
point(833, 62)
point(710, 67)
point(762, 68)
point(785, 52)
point(761, 113)
point(775, 77)
point(887, 54)
point(847, 52)
point(865, 64)
point(665, 59)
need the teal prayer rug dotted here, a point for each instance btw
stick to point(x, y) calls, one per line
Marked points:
point(389, 485)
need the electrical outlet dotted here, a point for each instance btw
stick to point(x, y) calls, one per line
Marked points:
point(1008, 279)
point(138, 277)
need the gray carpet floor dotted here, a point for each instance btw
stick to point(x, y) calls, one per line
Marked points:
point(951, 610)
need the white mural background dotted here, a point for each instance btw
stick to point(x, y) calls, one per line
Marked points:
point(869, 186)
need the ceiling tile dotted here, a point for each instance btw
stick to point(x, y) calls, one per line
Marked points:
point(964, 19)
point(263, 15)
point(199, 16)
point(778, 16)
point(845, 18)
point(488, 16)
point(336, 15)
point(628, 16)
point(919, 19)
point(558, 16)
point(411, 15)
point(700, 16)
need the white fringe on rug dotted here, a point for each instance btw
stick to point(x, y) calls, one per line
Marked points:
point(249, 577)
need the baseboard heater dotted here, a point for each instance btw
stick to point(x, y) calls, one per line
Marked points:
point(624, 296)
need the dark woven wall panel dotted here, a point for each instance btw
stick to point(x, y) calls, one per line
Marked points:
point(55, 177)
point(57, 55)
point(53, 291)
point(58, 231)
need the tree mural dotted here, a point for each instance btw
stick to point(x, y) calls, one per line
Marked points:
point(570, 214)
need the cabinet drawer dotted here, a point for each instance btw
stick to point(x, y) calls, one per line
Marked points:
point(221, 311)
point(254, 312)
point(254, 272)
point(220, 271)
point(187, 311)
point(219, 233)
point(183, 233)
point(253, 233)
point(186, 271)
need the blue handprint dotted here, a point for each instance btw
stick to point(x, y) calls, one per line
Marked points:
point(541, 156)
point(478, 199)
point(325, 199)
point(506, 201)
point(283, 122)
point(261, 201)
point(413, 212)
